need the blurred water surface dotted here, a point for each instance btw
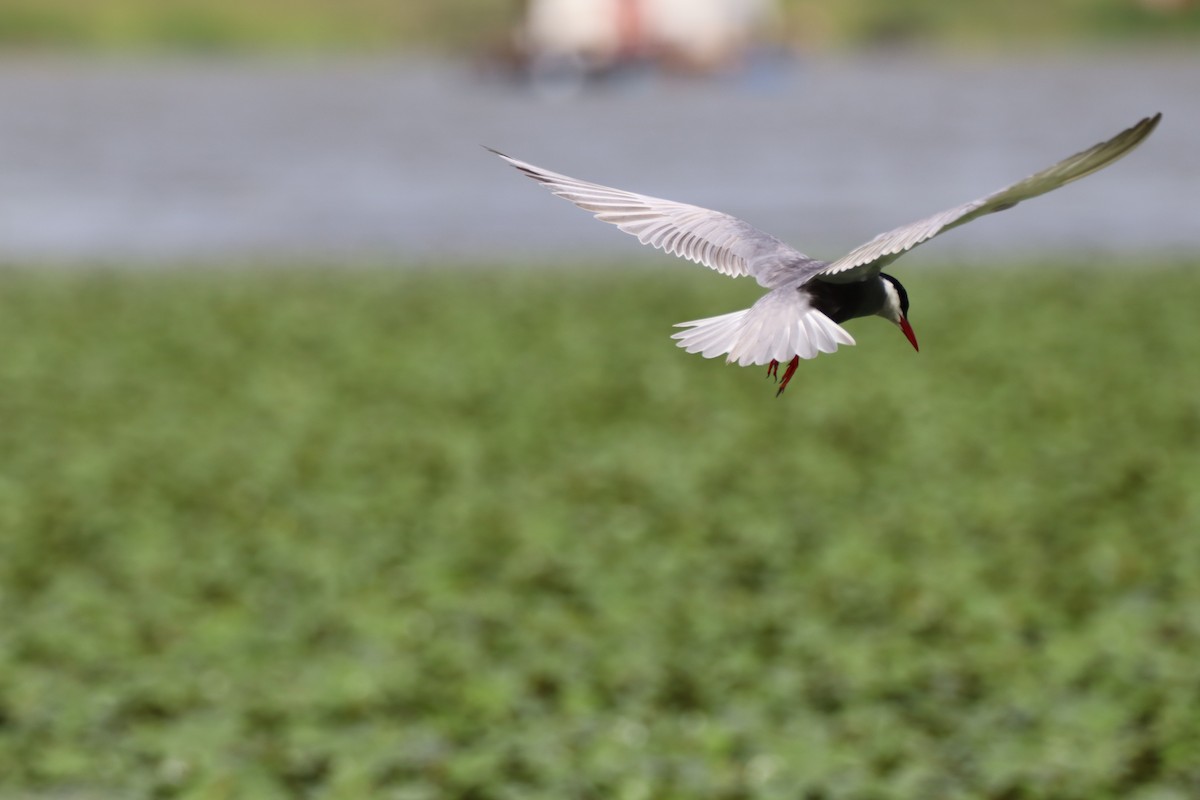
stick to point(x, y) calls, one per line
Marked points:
point(194, 160)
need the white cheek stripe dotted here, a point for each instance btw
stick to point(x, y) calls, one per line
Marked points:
point(891, 306)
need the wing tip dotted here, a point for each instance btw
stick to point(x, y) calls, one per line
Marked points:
point(1132, 136)
point(1150, 123)
point(1143, 127)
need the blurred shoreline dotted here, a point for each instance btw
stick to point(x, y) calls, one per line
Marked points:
point(168, 160)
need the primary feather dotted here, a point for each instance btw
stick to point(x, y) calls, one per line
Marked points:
point(871, 257)
point(716, 240)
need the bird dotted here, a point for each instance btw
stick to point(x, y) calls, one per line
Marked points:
point(801, 314)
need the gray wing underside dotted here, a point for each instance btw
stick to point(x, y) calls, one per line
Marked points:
point(716, 240)
point(868, 259)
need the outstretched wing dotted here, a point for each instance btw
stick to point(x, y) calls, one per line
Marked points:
point(718, 241)
point(871, 257)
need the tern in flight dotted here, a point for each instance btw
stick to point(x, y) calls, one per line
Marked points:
point(807, 299)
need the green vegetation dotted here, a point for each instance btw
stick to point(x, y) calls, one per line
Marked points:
point(377, 25)
point(488, 534)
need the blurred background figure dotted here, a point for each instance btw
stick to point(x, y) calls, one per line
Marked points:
point(587, 38)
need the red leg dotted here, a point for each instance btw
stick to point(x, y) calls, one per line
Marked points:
point(787, 375)
point(773, 369)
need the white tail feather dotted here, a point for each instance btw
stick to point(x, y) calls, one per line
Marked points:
point(776, 328)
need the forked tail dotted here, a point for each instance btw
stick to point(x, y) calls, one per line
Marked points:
point(780, 326)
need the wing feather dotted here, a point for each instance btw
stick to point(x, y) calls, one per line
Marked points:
point(869, 258)
point(716, 240)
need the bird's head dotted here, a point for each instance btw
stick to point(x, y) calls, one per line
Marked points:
point(895, 307)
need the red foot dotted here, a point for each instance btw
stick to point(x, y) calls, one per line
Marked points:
point(787, 375)
point(773, 369)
